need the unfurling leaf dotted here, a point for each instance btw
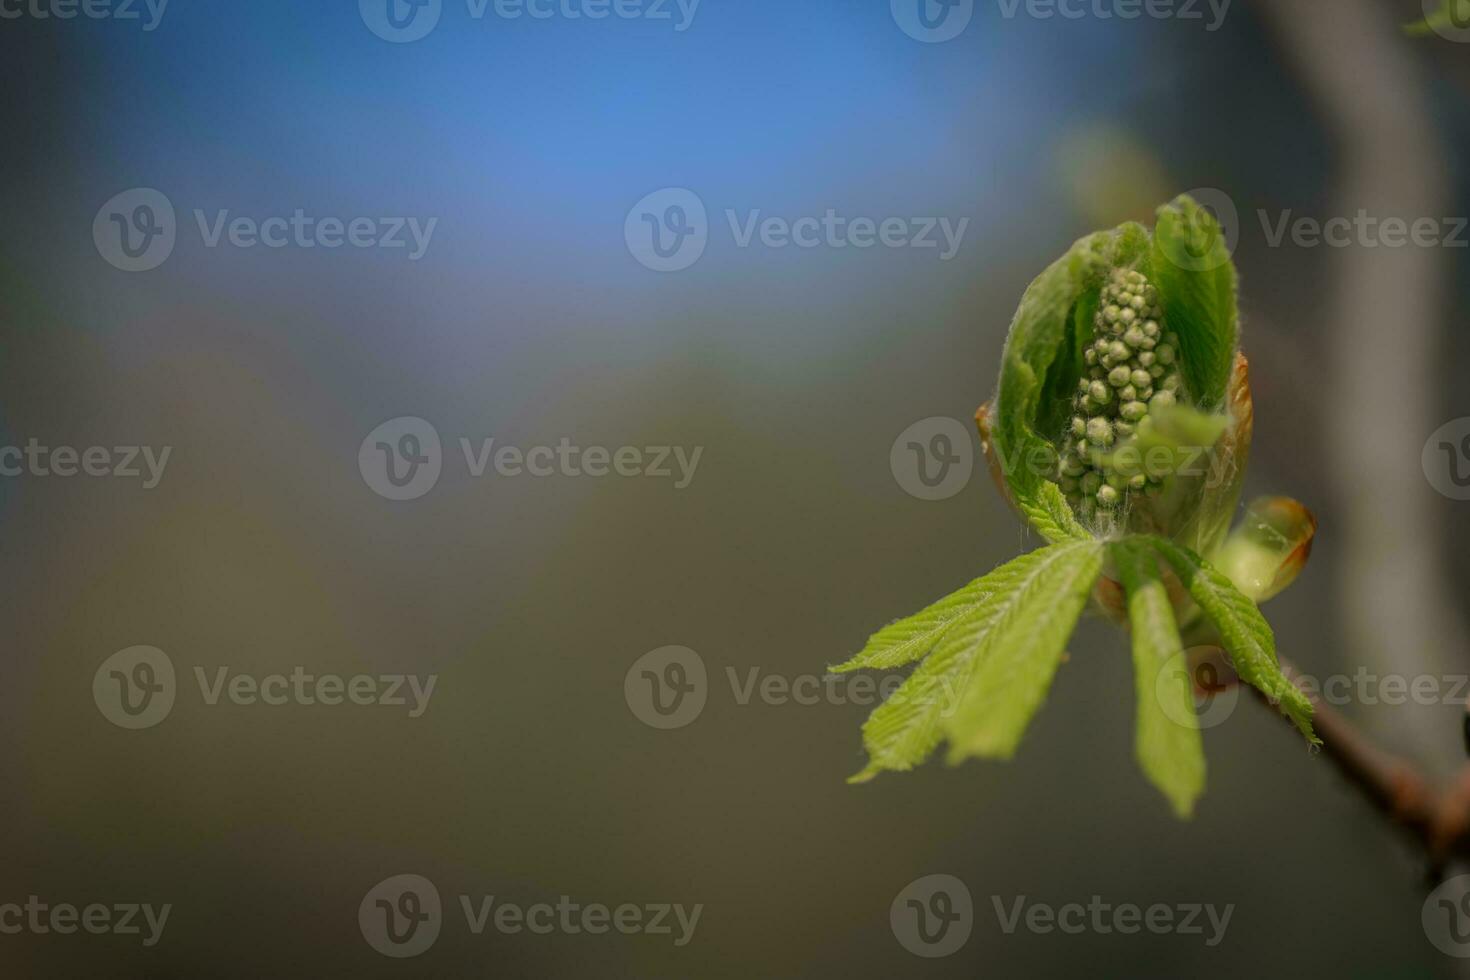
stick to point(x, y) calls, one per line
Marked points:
point(1196, 280)
point(1021, 652)
point(905, 729)
point(1167, 741)
point(1244, 632)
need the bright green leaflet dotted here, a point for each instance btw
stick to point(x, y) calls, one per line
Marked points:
point(1167, 741)
point(1020, 653)
point(910, 639)
point(1246, 634)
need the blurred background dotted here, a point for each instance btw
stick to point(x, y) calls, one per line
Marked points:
point(596, 274)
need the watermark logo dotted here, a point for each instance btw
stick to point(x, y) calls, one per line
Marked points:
point(401, 916)
point(667, 231)
point(135, 688)
point(1198, 246)
point(933, 458)
point(932, 21)
point(1446, 459)
point(667, 688)
point(1446, 917)
point(933, 916)
point(1196, 690)
point(135, 231)
point(401, 21)
point(402, 458)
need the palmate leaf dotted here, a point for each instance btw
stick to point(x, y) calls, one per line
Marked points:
point(905, 729)
point(1167, 742)
point(1016, 656)
point(1246, 635)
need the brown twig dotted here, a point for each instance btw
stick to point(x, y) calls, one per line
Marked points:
point(1437, 820)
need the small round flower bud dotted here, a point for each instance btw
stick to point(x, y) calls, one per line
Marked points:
point(1156, 371)
point(1165, 353)
point(1127, 315)
point(1128, 393)
point(1151, 328)
point(1079, 426)
point(1145, 358)
point(1119, 376)
point(1133, 411)
point(1119, 351)
point(1100, 432)
point(1123, 429)
point(1107, 497)
point(1141, 378)
point(1134, 337)
point(1100, 393)
point(1172, 383)
point(1144, 394)
point(1163, 399)
point(1090, 355)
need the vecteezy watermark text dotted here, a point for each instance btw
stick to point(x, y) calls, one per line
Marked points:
point(122, 10)
point(1185, 10)
point(402, 916)
point(117, 462)
point(136, 231)
point(403, 458)
point(405, 21)
point(668, 231)
point(136, 688)
point(669, 687)
point(39, 918)
point(933, 917)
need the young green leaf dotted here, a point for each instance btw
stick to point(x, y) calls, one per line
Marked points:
point(1036, 360)
point(1196, 281)
point(1021, 650)
point(1167, 742)
point(1246, 634)
point(904, 730)
point(911, 638)
point(1052, 516)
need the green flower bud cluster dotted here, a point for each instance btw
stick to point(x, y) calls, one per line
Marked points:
point(1132, 369)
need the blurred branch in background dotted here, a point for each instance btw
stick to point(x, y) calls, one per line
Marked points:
point(1380, 335)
